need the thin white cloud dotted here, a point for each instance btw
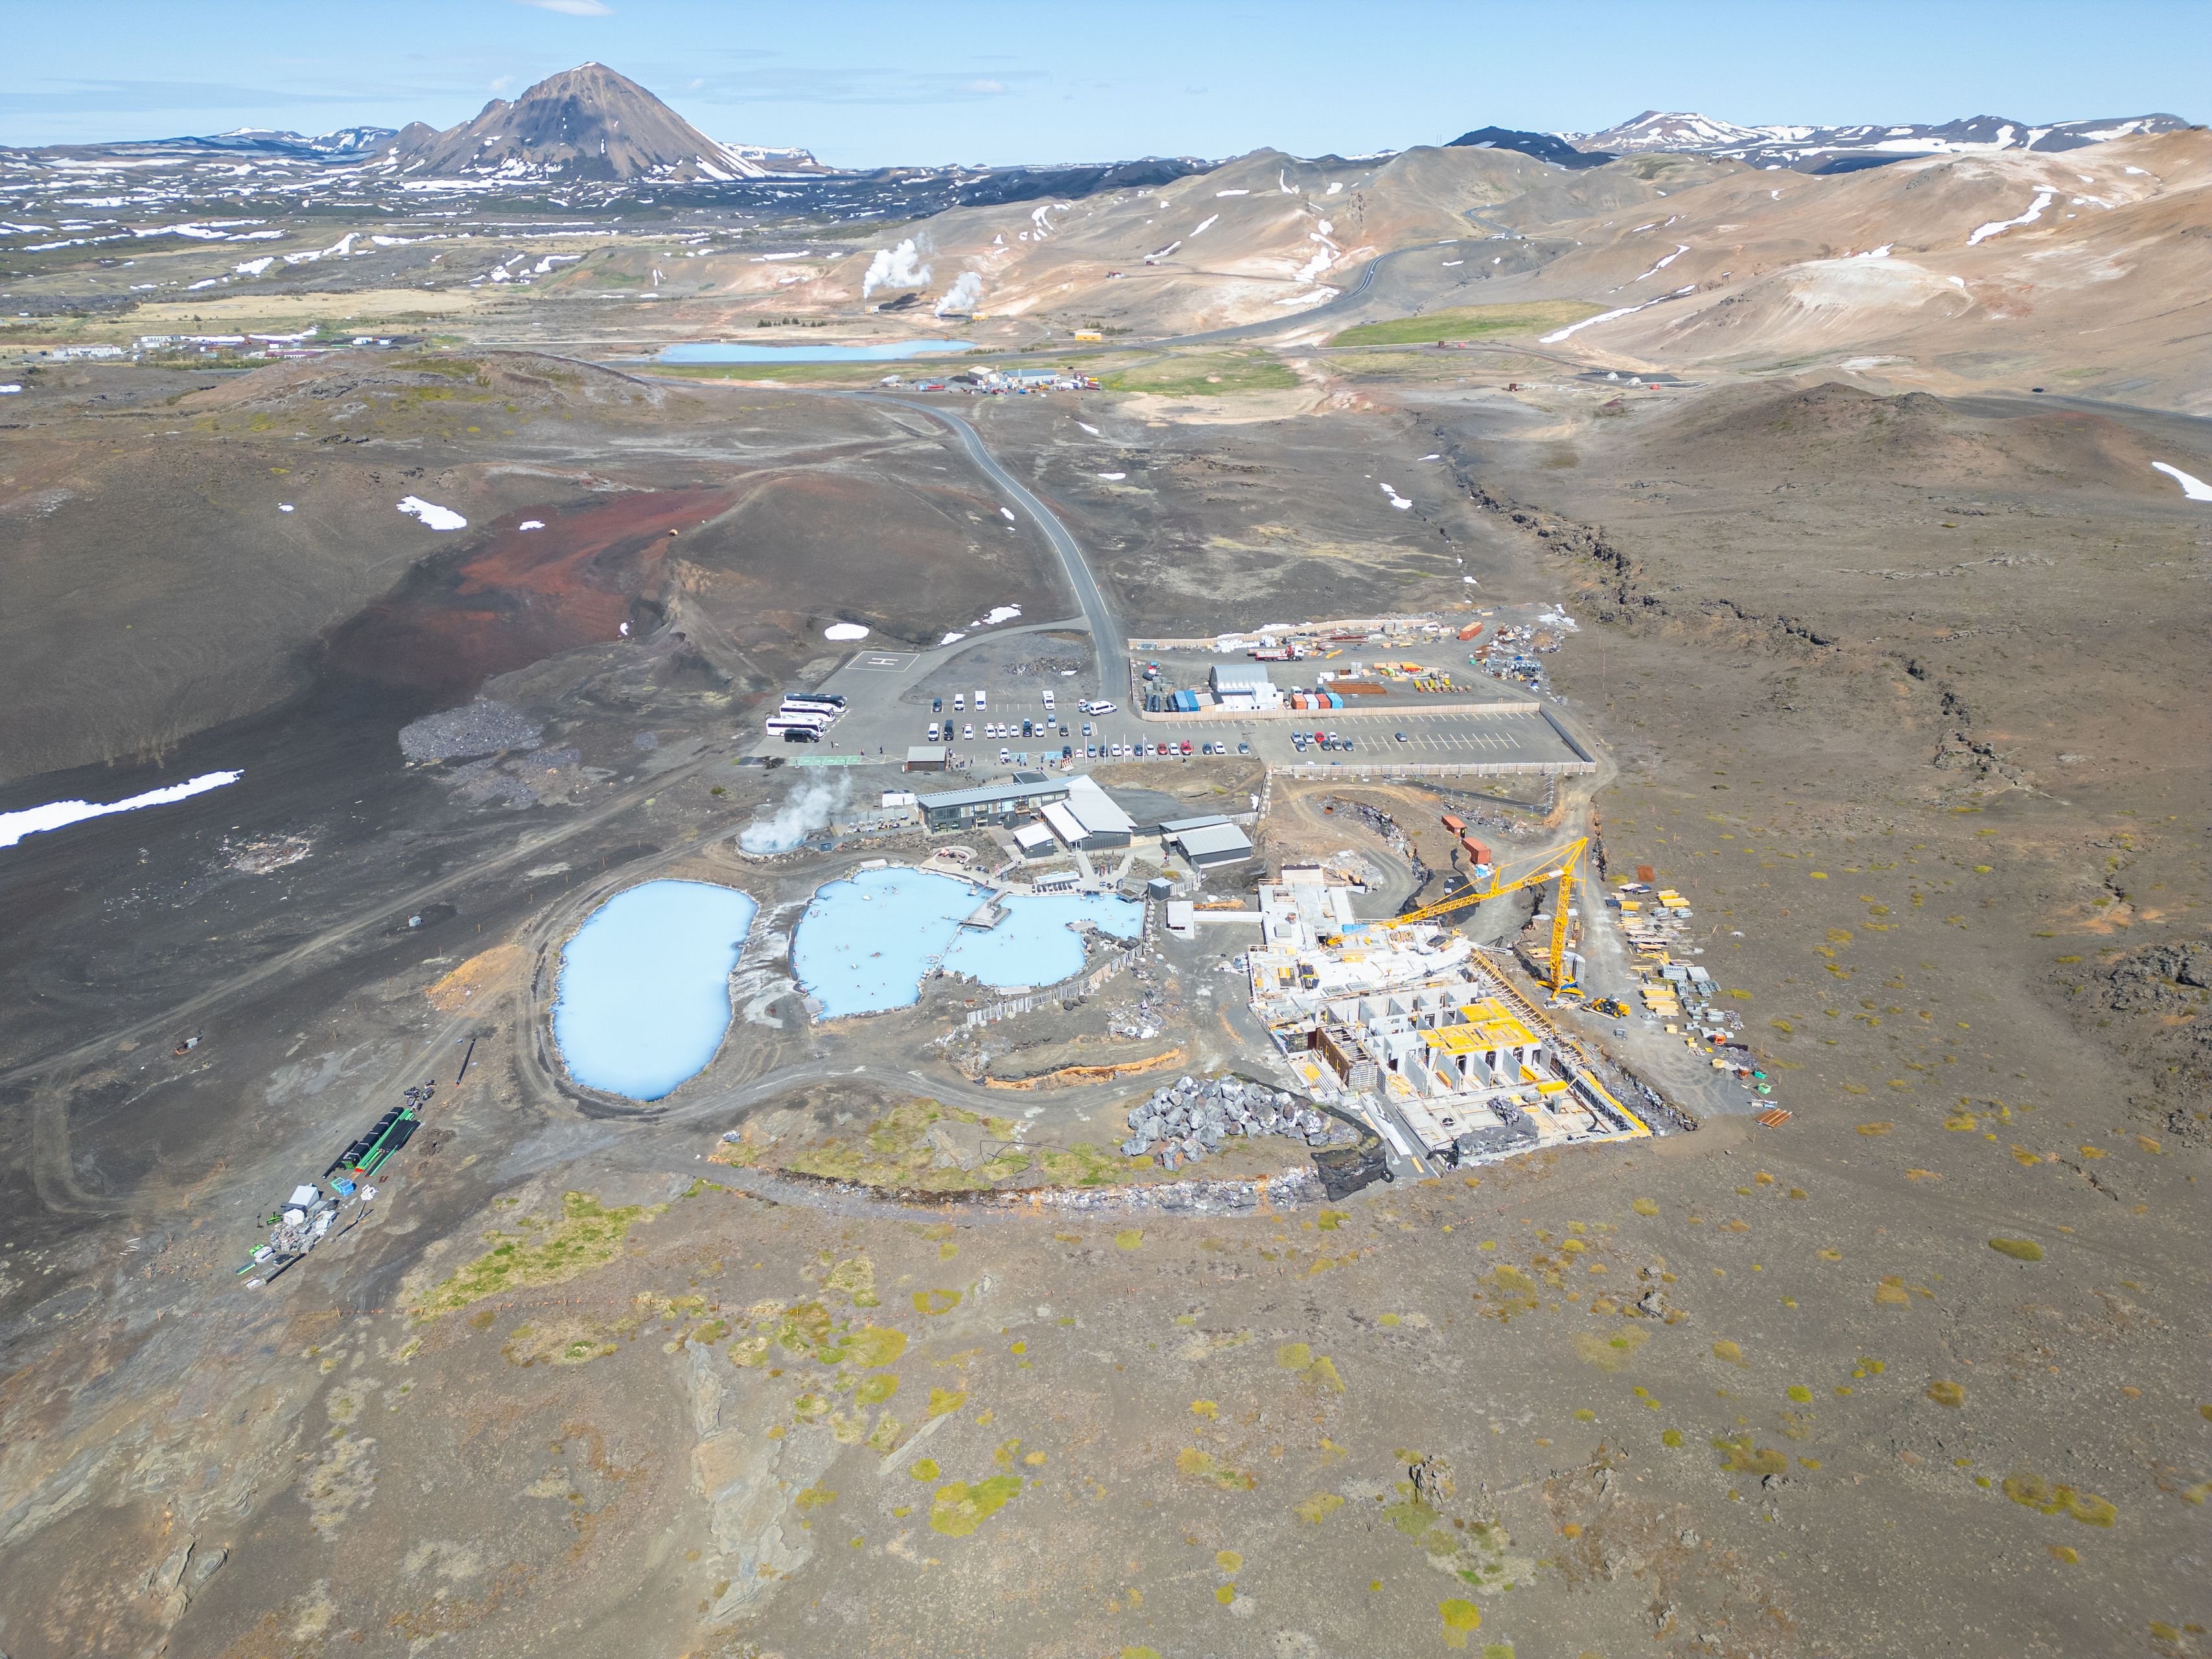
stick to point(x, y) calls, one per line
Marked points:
point(799, 83)
point(571, 8)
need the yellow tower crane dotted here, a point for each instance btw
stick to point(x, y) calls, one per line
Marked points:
point(1562, 864)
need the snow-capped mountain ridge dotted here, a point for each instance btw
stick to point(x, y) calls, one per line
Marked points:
point(1817, 149)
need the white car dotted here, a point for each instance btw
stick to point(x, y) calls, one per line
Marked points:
point(1005, 757)
point(967, 733)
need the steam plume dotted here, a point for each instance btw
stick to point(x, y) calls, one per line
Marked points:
point(894, 267)
point(804, 810)
point(962, 297)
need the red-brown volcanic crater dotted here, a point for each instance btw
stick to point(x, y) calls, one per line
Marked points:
point(517, 596)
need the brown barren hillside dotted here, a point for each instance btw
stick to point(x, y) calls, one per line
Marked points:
point(2081, 271)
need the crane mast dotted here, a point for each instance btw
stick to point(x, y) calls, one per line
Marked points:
point(1562, 866)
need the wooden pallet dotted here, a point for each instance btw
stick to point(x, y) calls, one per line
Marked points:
point(1774, 1117)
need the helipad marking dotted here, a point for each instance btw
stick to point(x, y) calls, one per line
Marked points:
point(885, 662)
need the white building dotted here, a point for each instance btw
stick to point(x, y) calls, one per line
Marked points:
point(1240, 688)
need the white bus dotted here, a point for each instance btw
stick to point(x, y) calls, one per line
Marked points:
point(818, 723)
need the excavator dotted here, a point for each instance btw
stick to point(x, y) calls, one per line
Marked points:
point(1562, 865)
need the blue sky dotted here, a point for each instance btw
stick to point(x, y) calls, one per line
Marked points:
point(863, 82)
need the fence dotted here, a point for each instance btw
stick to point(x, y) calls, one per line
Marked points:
point(1374, 707)
point(1084, 986)
point(1436, 768)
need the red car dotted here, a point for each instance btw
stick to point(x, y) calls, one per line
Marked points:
point(1186, 745)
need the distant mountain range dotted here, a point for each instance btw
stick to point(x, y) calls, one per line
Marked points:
point(1840, 149)
point(585, 124)
point(582, 139)
point(1806, 150)
point(589, 134)
point(346, 141)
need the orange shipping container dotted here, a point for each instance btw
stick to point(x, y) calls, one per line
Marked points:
point(1469, 633)
point(1455, 825)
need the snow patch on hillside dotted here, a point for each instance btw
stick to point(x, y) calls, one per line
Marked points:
point(1998, 227)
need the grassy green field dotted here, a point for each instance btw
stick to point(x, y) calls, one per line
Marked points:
point(1469, 323)
point(1204, 375)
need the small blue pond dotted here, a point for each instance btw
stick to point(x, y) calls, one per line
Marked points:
point(645, 993)
point(865, 944)
point(881, 351)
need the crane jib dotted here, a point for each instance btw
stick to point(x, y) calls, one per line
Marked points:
point(1554, 867)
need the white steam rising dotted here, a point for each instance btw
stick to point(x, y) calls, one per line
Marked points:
point(962, 297)
point(805, 809)
point(894, 267)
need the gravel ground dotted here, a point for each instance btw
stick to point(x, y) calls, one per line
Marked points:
point(482, 727)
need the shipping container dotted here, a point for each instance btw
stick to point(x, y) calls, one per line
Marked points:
point(1454, 823)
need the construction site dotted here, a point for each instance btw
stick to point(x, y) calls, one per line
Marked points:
point(1409, 1024)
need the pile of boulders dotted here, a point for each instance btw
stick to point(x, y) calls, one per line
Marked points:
point(482, 727)
point(1185, 1120)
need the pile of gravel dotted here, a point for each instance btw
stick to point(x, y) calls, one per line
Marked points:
point(1187, 1119)
point(483, 727)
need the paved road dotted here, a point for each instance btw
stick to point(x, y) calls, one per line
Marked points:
point(1106, 639)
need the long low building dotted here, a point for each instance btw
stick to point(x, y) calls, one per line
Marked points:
point(990, 803)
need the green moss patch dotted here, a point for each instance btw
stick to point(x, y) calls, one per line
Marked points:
point(960, 1506)
point(588, 1235)
point(1469, 323)
point(1204, 374)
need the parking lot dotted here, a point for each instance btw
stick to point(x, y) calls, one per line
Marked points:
point(895, 698)
point(980, 742)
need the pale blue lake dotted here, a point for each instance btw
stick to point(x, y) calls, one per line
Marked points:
point(644, 994)
point(865, 943)
point(880, 351)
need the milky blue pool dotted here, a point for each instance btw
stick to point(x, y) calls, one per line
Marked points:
point(644, 989)
point(865, 943)
point(880, 351)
